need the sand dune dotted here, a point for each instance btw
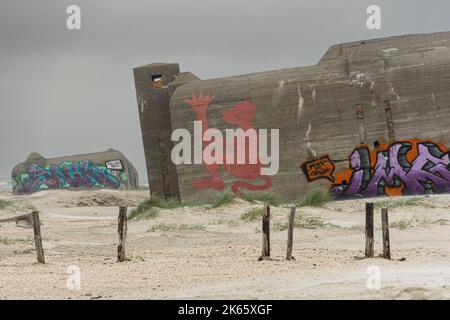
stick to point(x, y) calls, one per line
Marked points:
point(201, 253)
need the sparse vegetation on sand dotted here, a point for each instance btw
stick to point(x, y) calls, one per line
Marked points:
point(413, 222)
point(267, 197)
point(316, 197)
point(398, 203)
point(145, 210)
point(134, 258)
point(301, 221)
point(226, 198)
point(4, 204)
point(221, 221)
point(401, 224)
point(149, 208)
point(16, 207)
point(26, 251)
point(252, 214)
point(7, 241)
point(175, 227)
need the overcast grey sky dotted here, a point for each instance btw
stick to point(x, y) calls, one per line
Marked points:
point(66, 92)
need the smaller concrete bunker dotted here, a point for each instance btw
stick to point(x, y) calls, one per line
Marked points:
point(102, 170)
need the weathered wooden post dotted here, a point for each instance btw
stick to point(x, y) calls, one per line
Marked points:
point(385, 228)
point(369, 230)
point(290, 239)
point(265, 233)
point(37, 236)
point(122, 230)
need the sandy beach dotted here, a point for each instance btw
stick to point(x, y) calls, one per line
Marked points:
point(212, 253)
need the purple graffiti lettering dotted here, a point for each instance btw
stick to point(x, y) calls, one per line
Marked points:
point(356, 181)
point(429, 172)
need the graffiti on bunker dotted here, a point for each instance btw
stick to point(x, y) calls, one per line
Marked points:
point(321, 168)
point(409, 167)
point(240, 115)
point(67, 175)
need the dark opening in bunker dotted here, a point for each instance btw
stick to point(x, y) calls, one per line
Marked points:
point(157, 81)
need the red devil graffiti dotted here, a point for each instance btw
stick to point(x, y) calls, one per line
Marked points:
point(241, 115)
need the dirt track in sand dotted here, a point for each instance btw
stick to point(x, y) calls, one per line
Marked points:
point(199, 253)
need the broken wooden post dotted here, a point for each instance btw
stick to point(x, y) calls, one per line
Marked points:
point(385, 228)
point(265, 233)
point(369, 230)
point(37, 236)
point(290, 234)
point(122, 230)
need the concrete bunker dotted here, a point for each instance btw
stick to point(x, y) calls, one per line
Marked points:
point(393, 91)
point(102, 170)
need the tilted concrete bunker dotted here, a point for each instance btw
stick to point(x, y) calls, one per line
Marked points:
point(370, 119)
point(102, 170)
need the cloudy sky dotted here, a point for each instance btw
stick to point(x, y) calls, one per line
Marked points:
point(66, 91)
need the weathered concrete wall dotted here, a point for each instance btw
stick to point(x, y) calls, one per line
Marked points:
point(153, 97)
point(109, 169)
point(367, 95)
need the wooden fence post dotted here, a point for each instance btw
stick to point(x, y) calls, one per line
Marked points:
point(385, 228)
point(290, 239)
point(265, 233)
point(122, 230)
point(369, 230)
point(37, 236)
